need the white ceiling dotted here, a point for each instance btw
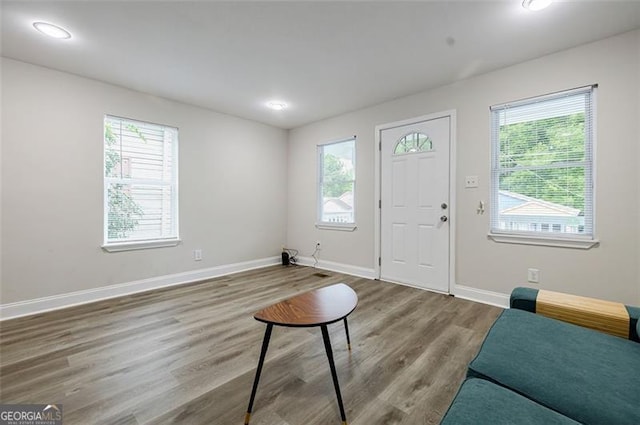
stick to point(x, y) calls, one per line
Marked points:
point(322, 58)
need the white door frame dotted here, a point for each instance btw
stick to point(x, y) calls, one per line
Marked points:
point(452, 189)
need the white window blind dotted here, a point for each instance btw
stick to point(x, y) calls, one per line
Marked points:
point(542, 166)
point(337, 182)
point(140, 181)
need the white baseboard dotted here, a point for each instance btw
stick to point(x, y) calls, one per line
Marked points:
point(465, 292)
point(338, 267)
point(55, 302)
point(482, 296)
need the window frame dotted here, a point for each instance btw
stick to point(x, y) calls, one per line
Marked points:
point(539, 236)
point(137, 244)
point(326, 225)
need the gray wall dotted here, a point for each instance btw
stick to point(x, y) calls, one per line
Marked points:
point(232, 172)
point(609, 271)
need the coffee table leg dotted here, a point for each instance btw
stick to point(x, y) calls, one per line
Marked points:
point(346, 328)
point(263, 353)
point(332, 365)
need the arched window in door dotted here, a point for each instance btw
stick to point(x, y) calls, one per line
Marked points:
point(412, 143)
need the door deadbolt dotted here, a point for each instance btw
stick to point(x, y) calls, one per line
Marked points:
point(444, 206)
point(444, 218)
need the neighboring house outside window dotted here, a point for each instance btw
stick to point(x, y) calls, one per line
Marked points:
point(542, 169)
point(140, 184)
point(336, 185)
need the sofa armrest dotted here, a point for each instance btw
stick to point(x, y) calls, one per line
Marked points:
point(634, 317)
point(524, 299)
point(605, 316)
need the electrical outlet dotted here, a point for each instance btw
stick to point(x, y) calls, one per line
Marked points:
point(197, 255)
point(471, 181)
point(533, 275)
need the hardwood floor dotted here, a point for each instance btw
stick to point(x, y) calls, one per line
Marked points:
point(188, 355)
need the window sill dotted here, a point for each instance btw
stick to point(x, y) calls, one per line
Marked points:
point(131, 246)
point(350, 227)
point(575, 243)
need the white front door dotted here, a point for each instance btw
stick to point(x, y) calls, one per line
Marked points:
point(414, 234)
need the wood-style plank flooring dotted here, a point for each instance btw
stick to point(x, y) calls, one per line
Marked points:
point(188, 355)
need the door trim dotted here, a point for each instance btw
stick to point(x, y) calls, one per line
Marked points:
point(451, 114)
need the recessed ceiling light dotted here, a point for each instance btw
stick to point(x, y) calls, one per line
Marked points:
point(51, 30)
point(276, 106)
point(535, 5)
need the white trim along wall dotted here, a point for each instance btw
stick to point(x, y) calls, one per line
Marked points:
point(56, 302)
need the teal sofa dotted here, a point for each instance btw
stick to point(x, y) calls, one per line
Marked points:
point(533, 369)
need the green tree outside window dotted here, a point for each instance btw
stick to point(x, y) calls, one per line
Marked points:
point(124, 213)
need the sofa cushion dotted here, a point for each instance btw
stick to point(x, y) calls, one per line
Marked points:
point(482, 402)
point(591, 377)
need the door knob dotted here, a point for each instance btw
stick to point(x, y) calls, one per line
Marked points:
point(444, 206)
point(444, 218)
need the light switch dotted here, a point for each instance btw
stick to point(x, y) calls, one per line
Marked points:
point(471, 181)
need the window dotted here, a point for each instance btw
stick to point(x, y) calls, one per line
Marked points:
point(414, 142)
point(336, 185)
point(140, 184)
point(542, 169)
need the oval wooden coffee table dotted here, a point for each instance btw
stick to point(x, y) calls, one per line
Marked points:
point(320, 307)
